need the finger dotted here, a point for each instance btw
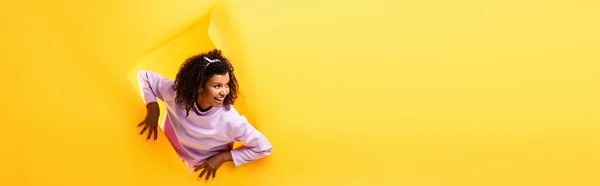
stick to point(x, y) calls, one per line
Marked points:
point(208, 175)
point(202, 173)
point(155, 133)
point(149, 133)
point(197, 168)
point(144, 130)
point(214, 173)
point(139, 125)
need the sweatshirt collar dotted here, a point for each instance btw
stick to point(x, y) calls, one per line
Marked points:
point(200, 113)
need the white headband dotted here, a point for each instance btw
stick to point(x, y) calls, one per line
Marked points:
point(211, 60)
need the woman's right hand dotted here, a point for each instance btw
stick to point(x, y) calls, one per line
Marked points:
point(150, 123)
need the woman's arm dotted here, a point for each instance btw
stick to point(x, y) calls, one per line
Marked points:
point(152, 85)
point(256, 145)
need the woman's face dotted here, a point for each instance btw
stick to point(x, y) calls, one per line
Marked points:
point(214, 91)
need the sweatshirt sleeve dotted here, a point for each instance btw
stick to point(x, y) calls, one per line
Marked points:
point(152, 85)
point(256, 145)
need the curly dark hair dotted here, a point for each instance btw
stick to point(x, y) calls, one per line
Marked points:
point(193, 74)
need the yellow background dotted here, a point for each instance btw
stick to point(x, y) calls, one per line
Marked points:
point(450, 93)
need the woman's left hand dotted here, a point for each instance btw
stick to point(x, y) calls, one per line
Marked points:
point(210, 166)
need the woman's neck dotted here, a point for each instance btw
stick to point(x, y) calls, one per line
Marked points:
point(202, 109)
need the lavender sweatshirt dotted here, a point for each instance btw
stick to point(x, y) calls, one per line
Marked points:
point(202, 134)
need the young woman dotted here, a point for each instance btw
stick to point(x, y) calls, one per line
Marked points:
point(200, 122)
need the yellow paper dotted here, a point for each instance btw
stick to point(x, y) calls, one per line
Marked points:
point(444, 93)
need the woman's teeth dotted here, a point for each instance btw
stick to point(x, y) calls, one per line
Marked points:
point(219, 99)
